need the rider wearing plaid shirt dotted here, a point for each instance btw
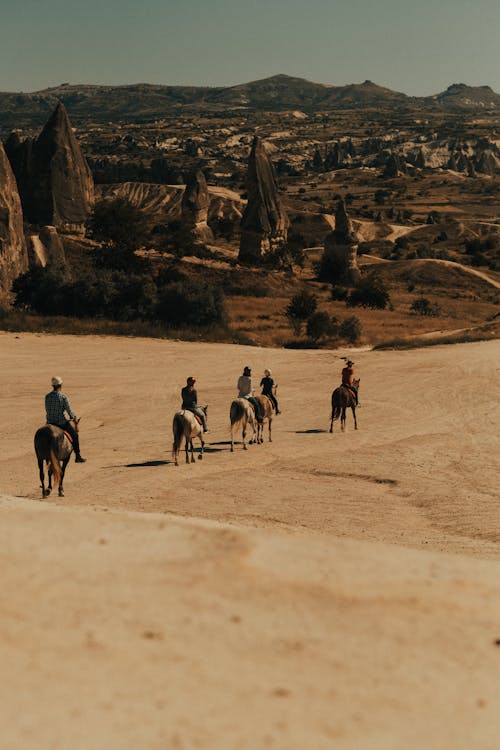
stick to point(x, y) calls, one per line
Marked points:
point(56, 405)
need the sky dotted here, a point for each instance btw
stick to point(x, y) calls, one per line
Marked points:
point(417, 47)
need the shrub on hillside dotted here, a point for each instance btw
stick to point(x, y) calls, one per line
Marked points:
point(320, 325)
point(370, 293)
point(119, 222)
point(351, 329)
point(423, 306)
point(186, 304)
point(300, 308)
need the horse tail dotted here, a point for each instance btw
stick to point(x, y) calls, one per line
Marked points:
point(236, 415)
point(55, 466)
point(336, 410)
point(178, 428)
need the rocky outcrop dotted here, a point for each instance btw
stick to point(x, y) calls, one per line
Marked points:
point(342, 244)
point(195, 204)
point(55, 182)
point(46, 248)
point(394, 166)
point(13, 253)
point(264, 225)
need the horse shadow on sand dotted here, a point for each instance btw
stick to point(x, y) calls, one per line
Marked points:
point(309, 432)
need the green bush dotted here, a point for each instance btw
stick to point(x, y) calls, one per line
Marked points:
point(350, 329)
point(370, 293)
point(299, 309)
point(186, 304)
point(423, 306)
point(119, 222)
point(319, 326)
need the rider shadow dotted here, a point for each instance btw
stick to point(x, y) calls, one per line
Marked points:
point(309, 432)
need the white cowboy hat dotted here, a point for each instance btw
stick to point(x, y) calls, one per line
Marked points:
point(56, 380)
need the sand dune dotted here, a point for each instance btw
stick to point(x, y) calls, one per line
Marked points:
point(321, 591)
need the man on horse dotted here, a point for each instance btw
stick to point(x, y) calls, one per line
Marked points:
point(190, 401)
point(348, 378)
point(245, 390)
point(56, 405)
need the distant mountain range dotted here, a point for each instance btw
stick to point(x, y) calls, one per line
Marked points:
point(280, 92)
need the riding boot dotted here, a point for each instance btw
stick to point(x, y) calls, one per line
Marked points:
point(76, 447)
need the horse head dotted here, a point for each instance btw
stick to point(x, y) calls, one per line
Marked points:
point(76, 422)
point(355, 382)
point(204, 409)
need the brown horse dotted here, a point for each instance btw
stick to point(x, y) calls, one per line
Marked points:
point(186, 426)
point(241, 415)
point(268, 411)
point(342, 399)
point(54, 447)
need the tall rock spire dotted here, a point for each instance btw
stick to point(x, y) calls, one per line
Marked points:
point(55, 182)
point(195, 203)
point(264, 224)
point(13, 253)
point(342, 243)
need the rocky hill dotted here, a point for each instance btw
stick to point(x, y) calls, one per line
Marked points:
point(140, 102)
point(461, 96)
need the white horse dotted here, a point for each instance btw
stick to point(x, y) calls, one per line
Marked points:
point(241, 415)
point(185, 425)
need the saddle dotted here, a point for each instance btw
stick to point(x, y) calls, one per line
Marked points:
point(69, 436)
point(196, 416)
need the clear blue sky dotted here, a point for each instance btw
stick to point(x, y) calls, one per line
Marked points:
point(418, 47)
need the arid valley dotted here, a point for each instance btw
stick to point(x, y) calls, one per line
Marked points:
point(320, 590)
point(328, 589)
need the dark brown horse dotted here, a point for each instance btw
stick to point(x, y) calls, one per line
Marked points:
point(54, 447)
point(343, 398)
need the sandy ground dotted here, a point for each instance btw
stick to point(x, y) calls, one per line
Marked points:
point(320, 591)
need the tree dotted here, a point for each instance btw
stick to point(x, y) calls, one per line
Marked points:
point(423, 306)
point(319, 326)
point(119, 222)
point(350, 329)
point(299, 309)
point(370, 293)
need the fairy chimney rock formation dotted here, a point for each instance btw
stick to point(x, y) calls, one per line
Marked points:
point(343, 244)
point(195, 203)
point(55, 182)
point(264, 224)
point(13, 253)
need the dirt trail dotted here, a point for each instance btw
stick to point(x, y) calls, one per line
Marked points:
point(315, 588)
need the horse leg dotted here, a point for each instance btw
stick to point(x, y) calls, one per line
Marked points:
point(244, 434)
point(342, 419)
point(191, 447)
point(186, 448)
point(49, 472)
point(63, 469)
point(42, 477)
point(270, 435)
point(202, 446)
point(331, 424)
point(354, 415)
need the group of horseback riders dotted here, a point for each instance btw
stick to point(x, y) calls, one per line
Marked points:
point(57, 404)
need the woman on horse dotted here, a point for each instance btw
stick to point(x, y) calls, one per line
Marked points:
point(268, 389)
point(56, 406)
point(245, 390)
point(190, 401)
point(348, 377)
